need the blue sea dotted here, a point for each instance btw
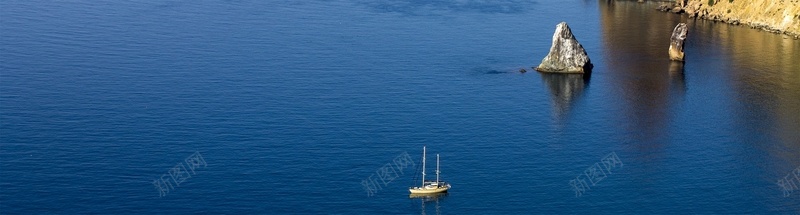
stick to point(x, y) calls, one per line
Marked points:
point(323, 107)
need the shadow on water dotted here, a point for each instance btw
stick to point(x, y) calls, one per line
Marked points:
point(494, 71)
point(565, 90)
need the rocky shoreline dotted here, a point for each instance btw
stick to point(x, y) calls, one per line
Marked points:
point(776, 16)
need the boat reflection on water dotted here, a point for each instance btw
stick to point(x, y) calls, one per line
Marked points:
point(429, 198)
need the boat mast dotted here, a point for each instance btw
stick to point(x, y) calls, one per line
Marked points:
point(423, 166)
point(437, 169)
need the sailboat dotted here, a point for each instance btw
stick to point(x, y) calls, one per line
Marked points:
point(430, 186)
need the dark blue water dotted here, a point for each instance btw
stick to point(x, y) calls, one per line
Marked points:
point(293, 105)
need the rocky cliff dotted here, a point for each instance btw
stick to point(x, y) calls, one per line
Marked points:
point(779, 16)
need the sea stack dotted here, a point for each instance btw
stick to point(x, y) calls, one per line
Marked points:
point(676, 42)
point(566, 54)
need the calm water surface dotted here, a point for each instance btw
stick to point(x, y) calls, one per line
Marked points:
point(294, 105)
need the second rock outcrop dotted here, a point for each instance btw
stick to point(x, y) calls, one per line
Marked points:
point(676, 42)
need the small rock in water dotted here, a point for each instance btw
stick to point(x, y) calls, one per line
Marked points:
point(677, 10)
point(522, 70)
point(566, 54)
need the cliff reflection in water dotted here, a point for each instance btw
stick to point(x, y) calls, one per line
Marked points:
point(764, 73)
point(565, 89)
point(742, 83)
point(636, 60)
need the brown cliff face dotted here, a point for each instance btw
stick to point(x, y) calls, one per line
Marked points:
point(779, 16)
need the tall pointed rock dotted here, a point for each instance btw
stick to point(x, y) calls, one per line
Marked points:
point(566, 54)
